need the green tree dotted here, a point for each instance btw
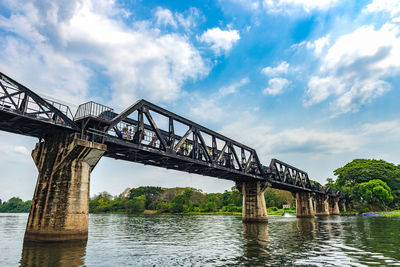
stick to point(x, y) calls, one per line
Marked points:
point(163, 206)
point(151, 192)
point(375, 193)
point(178, 203)
point(275, 197)
point(210, 207)
point(182, 202)
point(139, 204)
point(15, 204)
point(363, 170)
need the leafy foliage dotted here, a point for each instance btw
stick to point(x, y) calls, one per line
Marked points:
point(375, 193)
point(15, 204)
point(370, 183)
point(275, 197)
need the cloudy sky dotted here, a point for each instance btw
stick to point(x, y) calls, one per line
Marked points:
point(311, 82)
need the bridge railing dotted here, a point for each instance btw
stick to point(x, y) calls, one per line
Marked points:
point(94, 110)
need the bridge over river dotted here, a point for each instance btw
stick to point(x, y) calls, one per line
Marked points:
point(70, 146)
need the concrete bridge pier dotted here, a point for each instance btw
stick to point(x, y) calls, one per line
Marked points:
point(254, 208)
point(60, 205)
point(321, 205)
point(342, 205)
point(333, 205)
point(304, 204)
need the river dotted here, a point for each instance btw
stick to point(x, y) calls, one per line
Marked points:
point(210, 240)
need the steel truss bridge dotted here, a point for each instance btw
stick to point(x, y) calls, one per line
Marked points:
point(147, 134)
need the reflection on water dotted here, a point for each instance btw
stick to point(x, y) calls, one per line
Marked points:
point(210, 240)
point(307, 226)
point(66, 254)
point(255, 240)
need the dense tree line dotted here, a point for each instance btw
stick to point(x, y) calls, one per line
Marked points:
point(15, 204)
point(175, 200)
point(171, 200)
point(371, 184)
point(180, 200)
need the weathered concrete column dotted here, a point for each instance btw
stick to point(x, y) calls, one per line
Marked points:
point(254, 208)
point(342, 205)
point(304, 205)
point(60, 205)
point(321, 205)
point(333, 205)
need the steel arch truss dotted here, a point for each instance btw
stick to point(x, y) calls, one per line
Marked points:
point(139, 125)
point(285, 173)
point(24, 106)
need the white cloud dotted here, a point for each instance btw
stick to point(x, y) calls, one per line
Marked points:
point(22, 150)
point(164, 17)
point(282, 68)
point(221, 41)
point(139, 61)
point(354, 68)
point(267, 140)
point(288, 6)
point(390, 6)
point(319, 45)
point(213, 107)
point(276, 86)
point(232, 88)
point(384, 127)
point(189, 18)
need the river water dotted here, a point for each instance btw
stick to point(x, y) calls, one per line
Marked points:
point(210, 240)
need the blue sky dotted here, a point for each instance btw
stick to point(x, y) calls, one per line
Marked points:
point(310, 82)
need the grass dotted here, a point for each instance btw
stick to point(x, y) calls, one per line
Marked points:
point(394, 213)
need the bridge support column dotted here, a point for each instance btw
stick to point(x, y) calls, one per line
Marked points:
point(254, 208)
point(304, 205)
point(333, 205)
point(342, 205)
point(60, 205)
point(321, 205)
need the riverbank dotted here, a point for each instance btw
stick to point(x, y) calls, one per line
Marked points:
point(394, 213)
point(271, 211)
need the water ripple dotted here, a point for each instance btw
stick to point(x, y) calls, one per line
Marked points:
point(207, 240)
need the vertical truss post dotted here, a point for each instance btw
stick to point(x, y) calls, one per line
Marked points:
point(140, 126)
point(243, 162)
point(171, 133)
point(195, 148)
point(204, 145)
point(229, 158)
point(24, 103)
point(214, 148)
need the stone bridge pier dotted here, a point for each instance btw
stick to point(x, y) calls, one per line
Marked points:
point(342, 205)
point(254, 208)
point(60, 205)
point(304, 204)
point(333, 205)
point(321, 205)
